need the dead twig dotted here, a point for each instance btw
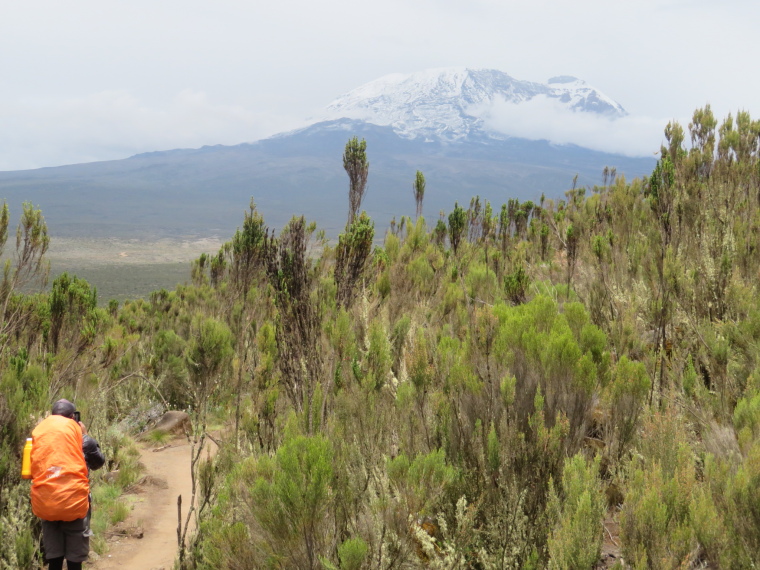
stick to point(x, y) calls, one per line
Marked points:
point(212, 438)
point(610, 535)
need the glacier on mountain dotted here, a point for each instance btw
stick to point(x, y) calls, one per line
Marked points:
point(452, 103)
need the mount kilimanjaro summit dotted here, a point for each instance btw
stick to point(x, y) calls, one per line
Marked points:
point(452, 124)
point(453, 104)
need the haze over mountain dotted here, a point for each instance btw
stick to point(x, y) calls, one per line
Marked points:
point(446, 122)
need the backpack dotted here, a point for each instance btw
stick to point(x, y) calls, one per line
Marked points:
point(60, 486)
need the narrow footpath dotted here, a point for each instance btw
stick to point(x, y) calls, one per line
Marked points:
point(154, 516)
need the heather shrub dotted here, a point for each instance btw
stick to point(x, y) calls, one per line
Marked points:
point(747, 420)
point(378, 358)
point(282, 503)
point(482, 284)
point(418, 483)
point(733, 534)
point(626, 396)
point(711, 531)
point(516, 285)
point(24, 390)
point(655, 522)
point(169, 367)
point(542, 350)
point(421, 275)
point(352, 554)
point(578, 507)
point(19, 529)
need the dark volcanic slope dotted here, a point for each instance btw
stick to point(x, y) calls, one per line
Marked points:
point(205, 191)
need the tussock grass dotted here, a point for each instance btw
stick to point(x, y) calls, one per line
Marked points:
point(158, 437)
point(109, 505)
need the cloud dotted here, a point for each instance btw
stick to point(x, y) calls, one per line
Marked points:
point(542, 118)
point(250, 64)
point(116, 124)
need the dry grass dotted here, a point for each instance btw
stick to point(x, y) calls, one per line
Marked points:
point(118, 251)
point(124, 269)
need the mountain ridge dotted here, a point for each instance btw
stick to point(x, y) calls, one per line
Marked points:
point(203, 191)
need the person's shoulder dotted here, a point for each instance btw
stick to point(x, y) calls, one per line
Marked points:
point(57, 424)
point(44, 425)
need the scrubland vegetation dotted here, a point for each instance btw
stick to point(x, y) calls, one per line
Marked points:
point(504, 387)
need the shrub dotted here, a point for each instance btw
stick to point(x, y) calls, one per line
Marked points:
point(516, 285)
point(655, 523)
point(19, 529)
point(627, 394)
point(482, 283)
point(734, 532)
point(288, 504)
point(352, 554)
point(576, 539)
point(421, 274)
point(541, 350)
point(419, 482)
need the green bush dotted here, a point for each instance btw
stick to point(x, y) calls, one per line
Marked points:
point(19, 529)
point(287, 505)
point(540, 349)
point(627, 395)
point(655, 523)
point(420, 482)
point(352, 554)
point(379, 356)
point(576, 540)
point(516, 285)
point(747, 420)
point(733, 536)
point(482, 284)
point(421, 276)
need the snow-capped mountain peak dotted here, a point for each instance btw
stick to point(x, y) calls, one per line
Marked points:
point(450, 103)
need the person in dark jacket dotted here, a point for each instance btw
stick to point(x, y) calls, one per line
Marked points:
point(67, 538)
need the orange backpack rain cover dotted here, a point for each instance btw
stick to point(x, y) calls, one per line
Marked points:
point(60, 487)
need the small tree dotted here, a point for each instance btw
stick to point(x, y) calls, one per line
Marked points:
point(457, 224)
point(357, 167)
point(28, 268)
point(247, 246)
point(419, 191)
point(71, 302)
point(208, 358)
point(353, 251)
point(572, 236)
point(298, 322)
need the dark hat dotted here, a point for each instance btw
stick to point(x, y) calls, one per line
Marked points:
point(64, 408)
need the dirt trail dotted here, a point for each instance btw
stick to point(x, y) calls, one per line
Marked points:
point(167, 475)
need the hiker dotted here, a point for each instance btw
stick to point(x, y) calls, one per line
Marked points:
point(62, 456)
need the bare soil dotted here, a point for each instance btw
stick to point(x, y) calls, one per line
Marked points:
point(148, 538)
point(611, 552)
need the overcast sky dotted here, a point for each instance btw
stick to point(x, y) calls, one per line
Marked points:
point(88, 80)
